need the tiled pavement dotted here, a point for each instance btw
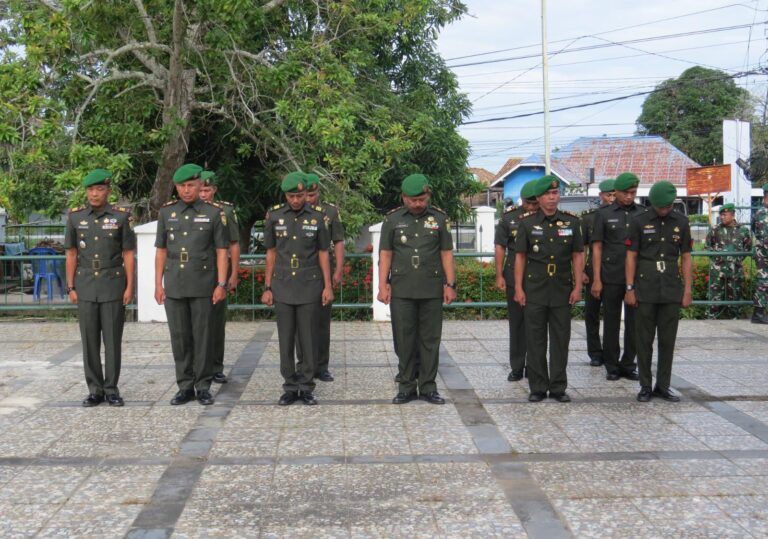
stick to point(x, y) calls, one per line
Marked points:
point(488, 464)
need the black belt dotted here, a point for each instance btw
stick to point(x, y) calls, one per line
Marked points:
point(96, 264)
point(185, 257)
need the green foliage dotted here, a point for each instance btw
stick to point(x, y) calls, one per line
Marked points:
point(688, 112)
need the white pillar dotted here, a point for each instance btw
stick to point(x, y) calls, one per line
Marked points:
point(485, 225)
point(149, 310)
point(380, 311)
point(736, 144)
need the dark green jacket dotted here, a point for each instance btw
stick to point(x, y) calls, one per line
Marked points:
point(506, 233)
point(549, 243)
point(233, 229)
point(100, 239)
point(659, 242)
point(416, 243)
point(612, 228)
point(191, 234)
point(298, 237)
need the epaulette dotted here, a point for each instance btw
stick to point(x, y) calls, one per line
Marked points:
point(277, 206)
point(528, 214)
point(587, 212)
point(331, 204)
point(393, 210)
point(319, 208)
point(79, 208)
point(169, 203)
point(439, 210)
point(510, 208)
point(215, 204)
point(569, 213)
point(122, 209)
point(224, 203)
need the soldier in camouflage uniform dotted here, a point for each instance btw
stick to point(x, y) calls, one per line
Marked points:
point(504, 244)
point(760, 230)
point(726, 273)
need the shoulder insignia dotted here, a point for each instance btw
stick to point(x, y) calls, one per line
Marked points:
point(588, 212)
point(122, 209)
point(277, 206)
point(510, 208)
point(393, 210)
point(169, 203)
point(79, 208)
point(440, 210)
point(569, 213)
point(319, 208)
point(225, 203)
point(528, 214)
point(214, 204)
point(330, 204)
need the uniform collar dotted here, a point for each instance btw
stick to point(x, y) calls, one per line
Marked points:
point(197, 205)
point(106, 209)
point(541, 216)
point(617, 206)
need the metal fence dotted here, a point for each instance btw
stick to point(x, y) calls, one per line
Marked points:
point(353, 300)
point(33, 234)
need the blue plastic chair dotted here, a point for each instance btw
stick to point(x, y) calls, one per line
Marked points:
point(47, 269)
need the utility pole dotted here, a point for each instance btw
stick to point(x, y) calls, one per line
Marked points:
point(545, 66)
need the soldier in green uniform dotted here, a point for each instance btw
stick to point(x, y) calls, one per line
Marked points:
point(297, 281)
point(591, 303)
point(190, 279)
point(333, 222)
point(101, 269)
point(416, 255)
point(548, 270)
point(726, 273)
point(760, 230)
point(608, 243)
point(658, 238)
point(504, 244)
point(219, 321)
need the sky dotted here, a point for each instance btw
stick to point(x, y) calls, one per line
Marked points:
point(610, 68)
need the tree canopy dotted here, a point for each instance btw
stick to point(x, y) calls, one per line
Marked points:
point(351, 89)
point(688, 111)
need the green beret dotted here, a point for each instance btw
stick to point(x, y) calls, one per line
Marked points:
point(187, 172)
point(526, 193)
point(662, 194)
point(626, 181)
point(544, 184)
point(294, 182)
point(96, 177)
point(312, 180)
point(731, 207)
point(415, 185)
point(208, 177)
point(606, 186)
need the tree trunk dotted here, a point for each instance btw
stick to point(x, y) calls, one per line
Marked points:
point(177, 115)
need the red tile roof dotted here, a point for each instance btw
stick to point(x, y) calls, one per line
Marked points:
point(509, 165)
point(482, 175)
point(651, 158)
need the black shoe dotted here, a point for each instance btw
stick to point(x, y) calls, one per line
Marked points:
point(92, 400)
point(514, 376)
point(536, 397)
point(630, 375)
point(433, 398)
point(325, 376)
point(220, 378)
point(204, 397)
point(560, 397)
point(612, 376)
point(115, 400)
point(183, 397)
point(665, 394)
point(759, 316)
point(402, 398)
point(289, 397)
point(397, 378)
point(307, 398)
point(596, 362)
point(645, 394)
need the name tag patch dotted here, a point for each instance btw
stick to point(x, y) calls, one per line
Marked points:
point(649, 231)
point(309, 227)
point(537, 232)
point(202, 219)
point(612, 220)
point(109, 226)
point(565, 232)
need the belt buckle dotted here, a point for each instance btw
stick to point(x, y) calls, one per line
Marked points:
point(294, 263)
point(551, 269)
point(661, 266)
point(415, 261)
point(184, 256)
point(96, 264)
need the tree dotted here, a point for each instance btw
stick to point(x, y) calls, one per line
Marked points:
point(689, 111)
point(352, 89)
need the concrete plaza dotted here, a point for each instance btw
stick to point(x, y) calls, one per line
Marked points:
point(487, 464)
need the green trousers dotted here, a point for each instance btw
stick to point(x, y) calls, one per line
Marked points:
point(323, 339)
point(218, 336)
point(544, 323)
point(592, 324)
point(417, 325)
point(101, 320)
point(189, 321)
point(652, 318)
point(297, 323)
point(516, 332)
point(613, 302)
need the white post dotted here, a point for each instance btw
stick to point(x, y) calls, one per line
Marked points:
point(149, 310)
point(545, 77)
point(380, 311)
point(485, 225)
point(736, 144)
